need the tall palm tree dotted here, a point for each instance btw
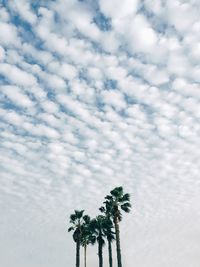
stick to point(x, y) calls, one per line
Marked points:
point(110, 235)
point(98, 226)
point(116, 202)
point(76, 220)
point(87, 236)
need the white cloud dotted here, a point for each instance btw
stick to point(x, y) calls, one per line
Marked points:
point(52, 81)
point(17, 76)
point(178, 64)
point(4, 15)
point(157, 6)
point(109, 42)
point(13, 118)
point(84, 23)
point(64, 70)
point(17, 96)
point(50, 106)
point(138, 36)
point(2, 53)
point(156, 76)
point(181, 15)
point(22, 7)
point(8, 34)
point(114, 98)
point(43, 57)
point(119, 9)
point(95, 73)
point(142, 37)
point(116, 73)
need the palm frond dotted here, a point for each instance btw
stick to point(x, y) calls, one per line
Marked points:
point(111, 236)
point(70, 229)
point(108, 197)
point(102, 209)
point(76, 235)
point(117, 192)
point(72, 218)
point(126, 204)
point(86, 219)
point(126, 207)
point(125, 197)
point(79, 213)
point(92, 240)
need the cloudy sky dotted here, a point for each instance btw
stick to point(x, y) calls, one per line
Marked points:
point(95, 94)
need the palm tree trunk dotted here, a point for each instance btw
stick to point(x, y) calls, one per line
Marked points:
point(119, 260)
point(78, 253)
point(110, 253)
point(100, 253)
point(85, 255)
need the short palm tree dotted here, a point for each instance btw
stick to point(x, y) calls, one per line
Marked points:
point(98, 226)
point(110, 235)
point(87, 236)
point(116, 202)
point(76, 220)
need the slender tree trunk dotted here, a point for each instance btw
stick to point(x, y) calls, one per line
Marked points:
point(100, 253)
point(85, 255)
point(119, 260)
point(78, 253)
point(110, 253)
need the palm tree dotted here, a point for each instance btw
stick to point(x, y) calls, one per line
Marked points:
point(98, 226)
point(87, 236)
point(76, 220)
point(115, 202)
point(110, 235)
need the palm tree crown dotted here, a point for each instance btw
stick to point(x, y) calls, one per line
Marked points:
point(116, 202)
point(76, 220)
point(108, 231)
point(98, 226)
point(87, 236)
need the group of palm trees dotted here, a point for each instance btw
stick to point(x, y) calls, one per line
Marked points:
point(105, 226)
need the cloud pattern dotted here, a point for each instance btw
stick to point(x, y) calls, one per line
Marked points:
point(95, 94)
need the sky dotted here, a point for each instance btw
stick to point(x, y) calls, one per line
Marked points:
point(94, 95)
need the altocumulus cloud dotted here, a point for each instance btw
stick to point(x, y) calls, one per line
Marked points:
point(95, 94)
